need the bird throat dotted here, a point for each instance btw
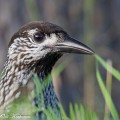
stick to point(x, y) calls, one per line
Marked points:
point(45, 65)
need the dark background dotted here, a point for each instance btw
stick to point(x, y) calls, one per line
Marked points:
point(93, 22)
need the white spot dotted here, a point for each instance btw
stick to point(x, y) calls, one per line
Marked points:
point(31, 32)
point(6, 88)
point(52, 40)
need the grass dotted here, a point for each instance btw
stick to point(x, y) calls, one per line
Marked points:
point(77, 111)
point(106, 94)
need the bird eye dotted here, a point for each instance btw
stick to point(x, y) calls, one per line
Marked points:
point(38, 37)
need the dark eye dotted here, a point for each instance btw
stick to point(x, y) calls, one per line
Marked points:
point(38, 37)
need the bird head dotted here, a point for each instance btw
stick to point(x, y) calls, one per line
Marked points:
point(37, 42)
point(34, 48)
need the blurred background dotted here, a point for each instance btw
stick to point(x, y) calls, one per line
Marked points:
point(93, 22)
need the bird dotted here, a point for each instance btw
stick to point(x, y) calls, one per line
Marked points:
point(35, 48)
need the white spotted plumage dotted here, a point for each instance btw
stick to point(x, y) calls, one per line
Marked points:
point(22, 52)
point(35, 48)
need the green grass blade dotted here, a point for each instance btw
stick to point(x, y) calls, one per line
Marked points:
point(82, 113)
point(112, 70)
point(77, 111)
point(106, 95)
point(72, 114)
point(89, 114)
point(38, 89)
point(54, 116)
point(64, 116)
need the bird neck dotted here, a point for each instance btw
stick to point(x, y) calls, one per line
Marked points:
point(13, 78)
point(18, 73)
point(43, 71)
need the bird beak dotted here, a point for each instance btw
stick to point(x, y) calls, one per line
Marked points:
point(70, 45)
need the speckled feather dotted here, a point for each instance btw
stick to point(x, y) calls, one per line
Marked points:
point(35, 48)
point(23, 60)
